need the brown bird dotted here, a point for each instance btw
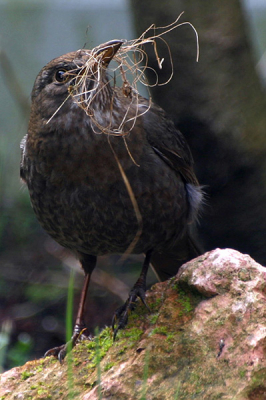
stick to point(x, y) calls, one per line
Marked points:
point(107, 174)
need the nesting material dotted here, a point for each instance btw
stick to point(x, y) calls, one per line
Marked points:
point(126, 73)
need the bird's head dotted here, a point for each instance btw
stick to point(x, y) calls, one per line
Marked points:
point(75, 79)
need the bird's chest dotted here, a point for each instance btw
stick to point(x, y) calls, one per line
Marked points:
point(82, 200)
point(84, 197)
point(83, 217)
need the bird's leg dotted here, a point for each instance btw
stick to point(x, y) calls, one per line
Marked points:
point(120, 317)
point(88, 264)
point(79, 324)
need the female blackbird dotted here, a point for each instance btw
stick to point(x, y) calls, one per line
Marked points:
point(107, 174)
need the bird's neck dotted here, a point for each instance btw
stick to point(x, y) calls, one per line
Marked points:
point(104, 109)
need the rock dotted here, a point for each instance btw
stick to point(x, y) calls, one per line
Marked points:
point(205, 338)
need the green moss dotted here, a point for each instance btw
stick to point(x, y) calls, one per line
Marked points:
point(220, 322)
point(153, 318)
point(133, 333)
point(96, 352)
point(258, 378)
point(122, 350)
point(242, 373)
point(161, 330)
point(44, 392)
point(171, 280)
point(108, 366)
point(174, 284)
point(140, 311)
point(194, 377)
point(186, 301)
point(170, 337)
point(154, 306)
point(76, 361)
point(39, 369)
point(26, 374)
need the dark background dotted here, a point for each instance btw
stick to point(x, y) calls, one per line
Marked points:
point(219, 104)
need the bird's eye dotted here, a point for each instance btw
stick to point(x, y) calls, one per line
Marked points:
point(61, 76)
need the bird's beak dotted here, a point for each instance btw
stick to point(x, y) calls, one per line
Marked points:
point(108, 50)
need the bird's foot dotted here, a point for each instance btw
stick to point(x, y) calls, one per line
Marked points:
point(60, 352)
point(120, 317)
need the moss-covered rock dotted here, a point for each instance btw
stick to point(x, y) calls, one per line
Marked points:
point(204, 338)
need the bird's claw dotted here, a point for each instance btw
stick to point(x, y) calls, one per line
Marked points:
point(60, 352)
point(120, 317)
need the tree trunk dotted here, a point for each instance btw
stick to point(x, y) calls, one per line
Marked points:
point(220, 106)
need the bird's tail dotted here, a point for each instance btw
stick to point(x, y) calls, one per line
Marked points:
point(166, 264)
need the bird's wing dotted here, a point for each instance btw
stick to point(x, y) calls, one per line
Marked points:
point(168, 143)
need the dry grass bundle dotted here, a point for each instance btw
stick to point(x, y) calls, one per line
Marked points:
point(131, 62)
